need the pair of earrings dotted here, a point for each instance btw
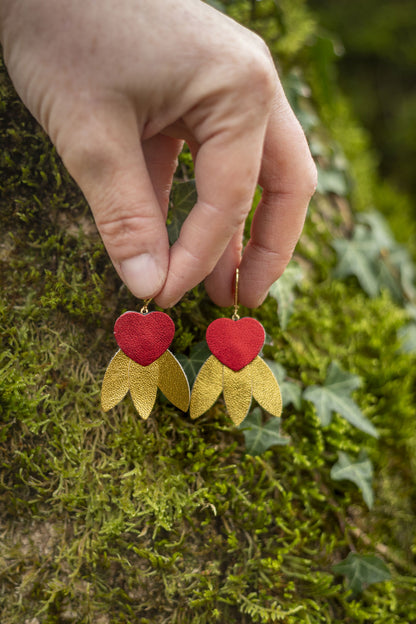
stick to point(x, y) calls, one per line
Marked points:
point(144, 363)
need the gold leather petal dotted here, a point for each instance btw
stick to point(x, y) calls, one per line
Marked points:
point(207, 387)
point(237, 393)
point(116, 381)
point(173, 381)
point(266, 390)
point(143, 381)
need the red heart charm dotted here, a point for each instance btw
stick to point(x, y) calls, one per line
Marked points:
point(144, 337)
point(235, 343)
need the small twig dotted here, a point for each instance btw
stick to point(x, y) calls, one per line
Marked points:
point(383, 550)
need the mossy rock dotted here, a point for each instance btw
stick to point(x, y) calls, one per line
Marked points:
point(109, 519)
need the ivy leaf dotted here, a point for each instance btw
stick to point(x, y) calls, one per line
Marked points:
point(362, 570)
point(380, 230)
point(356, 257)
point(408, 275)
point(183, 198)
point(217, 4)
point(307, 118)
point(411, 310)
point(259, 437)
point(334, 396)
point(394, 258)
point(376, 259)
point(401, 268)
point(332, 181)
point(359, 472)
point(198, 355)
point(317, 147)
point(388, 273)
point(291, 392)
point(407, 335)
point(283, 291)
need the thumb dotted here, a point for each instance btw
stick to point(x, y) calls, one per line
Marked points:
point(111, 171)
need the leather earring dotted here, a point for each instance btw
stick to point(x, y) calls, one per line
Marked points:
point(235, 368)
point(144, 363)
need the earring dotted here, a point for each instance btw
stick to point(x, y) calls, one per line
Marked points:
point(143, 363)
point(235, 368)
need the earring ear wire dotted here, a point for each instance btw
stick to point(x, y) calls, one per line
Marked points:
point(235, 316)
point(145, 307)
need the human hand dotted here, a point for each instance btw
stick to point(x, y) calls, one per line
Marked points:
point(118, 86)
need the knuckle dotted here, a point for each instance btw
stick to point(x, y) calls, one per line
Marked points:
point(191, 255)
point(278, 259)
point(123, 230)
point(193, 260)
point(259, 73)
point(86, 158)
point(309, 180)
point(262, 72)
point(254, 67)
point(235, 218)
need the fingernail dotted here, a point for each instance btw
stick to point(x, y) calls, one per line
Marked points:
point(142, 275)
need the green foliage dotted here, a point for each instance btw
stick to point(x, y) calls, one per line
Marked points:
point(376, 259)
point(365, 187)
point(332, 181)
point(359, 472)
point(408, 336)
point(358, 257)
point(217, 4)
point(291, 391)
point(283, 292)
point(334, 396)
point(183, 198)
point(362, 570)
point(376, 68)
point(258, 436)
point(191, 365)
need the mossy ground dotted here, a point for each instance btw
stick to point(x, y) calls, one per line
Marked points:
point(108, 519)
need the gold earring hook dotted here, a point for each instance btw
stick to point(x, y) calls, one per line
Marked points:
point(144, 309)
point(236, 316)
